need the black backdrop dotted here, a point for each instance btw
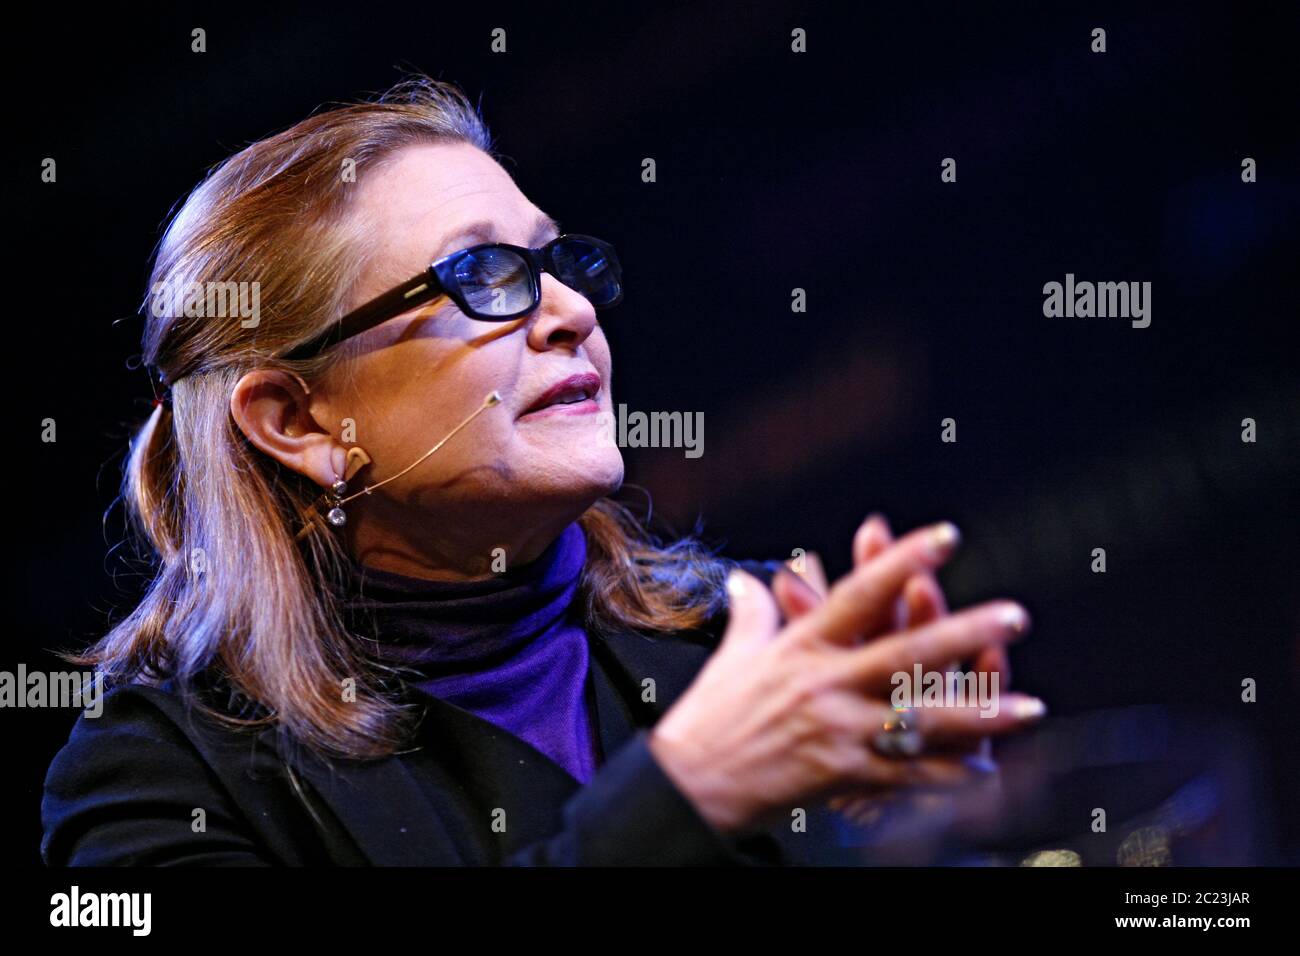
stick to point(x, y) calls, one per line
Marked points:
point(775, 170)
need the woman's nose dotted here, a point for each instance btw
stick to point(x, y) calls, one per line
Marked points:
point(564, 318)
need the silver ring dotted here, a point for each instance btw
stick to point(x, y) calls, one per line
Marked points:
point(899, 735)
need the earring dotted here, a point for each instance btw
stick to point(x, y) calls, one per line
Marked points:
point(333, 498)
point(336, 515)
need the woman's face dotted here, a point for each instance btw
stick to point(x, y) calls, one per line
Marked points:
point(518, 473)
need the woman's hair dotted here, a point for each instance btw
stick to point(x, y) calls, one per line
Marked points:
point(234, 595)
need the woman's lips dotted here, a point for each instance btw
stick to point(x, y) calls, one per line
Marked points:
point(584, 407)
point(575, 395)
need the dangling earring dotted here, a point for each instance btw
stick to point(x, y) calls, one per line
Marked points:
point(333, 498)
point(356, 460)
point(336, 515)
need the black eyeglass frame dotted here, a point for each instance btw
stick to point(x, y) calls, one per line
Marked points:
point(440, 279)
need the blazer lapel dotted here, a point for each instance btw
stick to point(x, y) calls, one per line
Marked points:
point(644, 675)
point(440, 801)
point(670, 661)
point(404, 832)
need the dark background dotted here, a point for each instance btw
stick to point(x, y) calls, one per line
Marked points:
point(775, 171)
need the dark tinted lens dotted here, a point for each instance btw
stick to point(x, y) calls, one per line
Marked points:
point(589, 269)
point(495, 282)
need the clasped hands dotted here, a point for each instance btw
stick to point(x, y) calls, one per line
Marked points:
point(791, 705)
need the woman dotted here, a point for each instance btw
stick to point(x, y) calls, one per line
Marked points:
point(396, 619)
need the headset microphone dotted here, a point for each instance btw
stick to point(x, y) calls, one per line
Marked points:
point(356, 454)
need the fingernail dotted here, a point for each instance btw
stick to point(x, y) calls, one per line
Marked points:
point(1028, 708)
point(790, 572)
point(735, 584)
point(1014, 618)
point(944, 538)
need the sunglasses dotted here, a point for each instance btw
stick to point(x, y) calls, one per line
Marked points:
point(494, 282)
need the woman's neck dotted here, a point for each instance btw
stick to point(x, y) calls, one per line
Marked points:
point(471, 549)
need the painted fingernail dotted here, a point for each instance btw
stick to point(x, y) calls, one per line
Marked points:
point(1028, 708)
point(735, 584)
point(1014, 618)
point(944, 538)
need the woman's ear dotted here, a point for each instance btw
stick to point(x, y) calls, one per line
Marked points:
point(273, 409)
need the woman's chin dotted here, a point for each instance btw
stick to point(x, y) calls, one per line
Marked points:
point(605, 476)
point(582, 476)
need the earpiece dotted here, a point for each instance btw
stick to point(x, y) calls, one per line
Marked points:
point(357, 459)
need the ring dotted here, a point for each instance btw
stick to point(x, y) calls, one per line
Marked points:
point(898, 736)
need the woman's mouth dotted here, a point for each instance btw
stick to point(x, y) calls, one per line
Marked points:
point(575, 395)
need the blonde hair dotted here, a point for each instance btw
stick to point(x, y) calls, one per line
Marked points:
point(234, 596)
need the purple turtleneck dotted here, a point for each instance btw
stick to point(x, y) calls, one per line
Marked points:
point(506, 648)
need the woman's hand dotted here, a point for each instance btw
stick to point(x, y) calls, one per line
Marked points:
point(921, 601)
point(780, 715)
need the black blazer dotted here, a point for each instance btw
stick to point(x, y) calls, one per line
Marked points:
point(124, 788)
